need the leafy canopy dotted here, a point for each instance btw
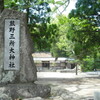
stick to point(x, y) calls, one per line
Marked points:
point(62, 47)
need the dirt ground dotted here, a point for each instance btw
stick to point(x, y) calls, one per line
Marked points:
point(83, 86)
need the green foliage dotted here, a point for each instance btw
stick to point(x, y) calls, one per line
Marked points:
point(37, 10)
point(97, 60)
point(82, 33)
point(91, 64)
point(11, 4)
point(62, 47)
point(60, 6)
point(38, 18)
point(86, 8)
point(84, 28)
point(59, 2)
point(88, 64)
point(43, 35)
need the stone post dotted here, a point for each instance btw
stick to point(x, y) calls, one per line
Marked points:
point(27, 69)
point(17, 78)
point(97, 95)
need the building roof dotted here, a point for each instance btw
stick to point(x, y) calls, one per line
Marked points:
point(44, 59)
point(46, 56)
point(42, 54)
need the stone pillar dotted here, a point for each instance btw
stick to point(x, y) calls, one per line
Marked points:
point(97, 95)
point(27, 71)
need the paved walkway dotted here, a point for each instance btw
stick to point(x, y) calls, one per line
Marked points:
point(59, 75)
point(83, 84)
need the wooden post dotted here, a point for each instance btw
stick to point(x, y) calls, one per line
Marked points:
point(1, 5)
point(76, 70)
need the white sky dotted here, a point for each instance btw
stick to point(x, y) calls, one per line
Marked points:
point(68, 9)
point(70, 6)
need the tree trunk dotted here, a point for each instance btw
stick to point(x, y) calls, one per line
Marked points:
point(1, 5)
point(27, 14)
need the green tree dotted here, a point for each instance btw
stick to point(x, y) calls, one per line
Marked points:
point(38, 17)
point(87, 10)
point(85, 28)
point(43, 36)
point(37, 10)
point(83, 34)
point(62, 47)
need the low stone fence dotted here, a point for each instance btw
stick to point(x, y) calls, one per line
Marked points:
point(66, 70)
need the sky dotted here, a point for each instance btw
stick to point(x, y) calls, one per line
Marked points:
point(68, 9)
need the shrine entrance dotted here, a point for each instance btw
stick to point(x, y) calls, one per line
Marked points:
point(46, 64)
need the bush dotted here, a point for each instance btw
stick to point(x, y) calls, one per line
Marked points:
point(88, 64)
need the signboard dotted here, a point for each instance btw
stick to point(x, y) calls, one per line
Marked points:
point(11, 44)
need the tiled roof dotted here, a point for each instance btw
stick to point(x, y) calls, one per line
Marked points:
point(48, 59)
point(47, 56)
point(42, 54)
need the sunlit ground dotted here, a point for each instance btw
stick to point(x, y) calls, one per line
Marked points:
point(83, 84)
